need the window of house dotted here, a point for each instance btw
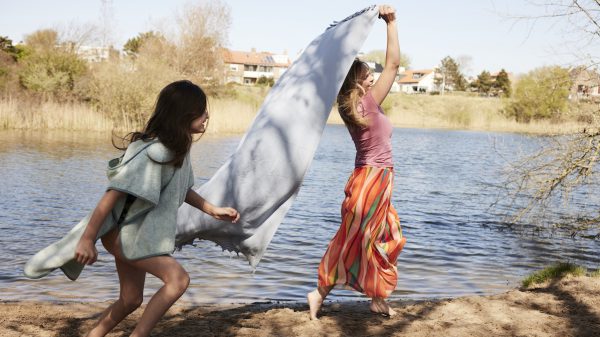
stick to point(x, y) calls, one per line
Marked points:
point(233, 67)
point(248, 67)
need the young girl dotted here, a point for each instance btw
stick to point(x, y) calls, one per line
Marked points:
point(149, 183)
point(363, 253)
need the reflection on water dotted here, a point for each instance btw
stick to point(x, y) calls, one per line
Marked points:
point(444, 184)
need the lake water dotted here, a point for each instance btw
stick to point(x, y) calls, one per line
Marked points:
point(445, 180)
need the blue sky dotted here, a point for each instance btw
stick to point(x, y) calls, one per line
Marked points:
point(428, 29)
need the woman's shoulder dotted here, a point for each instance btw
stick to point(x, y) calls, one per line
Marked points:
point(368, 104)
point(368, 99)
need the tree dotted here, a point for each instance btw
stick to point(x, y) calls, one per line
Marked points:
point(202, 34)
point(9, 55)
point(464, 63)
point(542, 93)
point(48, 68)
point(448, 75)
point(565, 169)
point(379, 57)
point(43, 39)
point(502, 84)
point(133, 45)
point(7, 47)
point(483, 83)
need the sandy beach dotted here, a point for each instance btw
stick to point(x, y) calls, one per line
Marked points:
point(567, 307)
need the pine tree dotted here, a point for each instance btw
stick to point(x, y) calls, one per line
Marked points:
point(502, 84)
point(450, 76)
point(484, 82)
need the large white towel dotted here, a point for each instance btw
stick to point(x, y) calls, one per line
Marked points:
point(263, 176)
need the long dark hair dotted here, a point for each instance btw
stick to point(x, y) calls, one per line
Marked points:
point(177, 105)
point(350, 94)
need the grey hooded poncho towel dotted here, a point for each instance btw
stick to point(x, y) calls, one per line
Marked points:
point(261, 179)
point(147, 227)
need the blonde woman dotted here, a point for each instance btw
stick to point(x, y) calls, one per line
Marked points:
point(362, 255)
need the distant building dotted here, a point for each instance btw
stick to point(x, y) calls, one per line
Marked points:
point(586, 83)
point(417, 81)
point(94, 54)
point(247, 67)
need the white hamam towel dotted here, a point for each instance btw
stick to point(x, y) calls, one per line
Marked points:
point(263, 176)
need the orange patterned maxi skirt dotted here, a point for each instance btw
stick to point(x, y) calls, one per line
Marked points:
point(362, 255)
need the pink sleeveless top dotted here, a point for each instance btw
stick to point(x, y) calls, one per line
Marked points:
point(374, 142)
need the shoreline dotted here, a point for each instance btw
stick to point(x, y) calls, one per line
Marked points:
point(521, 129)
point(567, 307)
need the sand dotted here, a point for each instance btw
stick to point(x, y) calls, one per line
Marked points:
point(568, 307)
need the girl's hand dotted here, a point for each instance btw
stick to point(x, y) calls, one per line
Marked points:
point(387, 13)
point(86, 252)
point(226, 213)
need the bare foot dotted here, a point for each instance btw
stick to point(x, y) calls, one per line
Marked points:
point(379, 306)
point(315, 301)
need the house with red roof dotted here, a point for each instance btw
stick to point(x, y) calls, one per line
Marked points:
point(417, 81)
point(586, 83)
point(247, 67)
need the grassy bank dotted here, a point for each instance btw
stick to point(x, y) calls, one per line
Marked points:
point(235, 112)
point(462, 112)
point(557, 272)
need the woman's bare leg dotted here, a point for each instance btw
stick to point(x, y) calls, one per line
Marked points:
point(380, 306)
point(315, 299)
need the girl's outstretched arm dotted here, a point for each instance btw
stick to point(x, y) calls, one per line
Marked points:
point(86, 252)
point(221, 213)
point(392, 56)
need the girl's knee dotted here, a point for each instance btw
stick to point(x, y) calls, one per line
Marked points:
point(132, 302)
point(179, 282)
point(184, 281)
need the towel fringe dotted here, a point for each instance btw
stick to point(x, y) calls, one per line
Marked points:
point(335, 23)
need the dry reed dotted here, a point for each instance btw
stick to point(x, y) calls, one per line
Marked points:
point(235, 114)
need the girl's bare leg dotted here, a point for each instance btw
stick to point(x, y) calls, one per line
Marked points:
point(315, 299)
point(380, 306)
point(131, 277)
point(176, 281)
point(131, 282)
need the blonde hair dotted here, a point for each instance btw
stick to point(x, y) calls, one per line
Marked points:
point(350, 95)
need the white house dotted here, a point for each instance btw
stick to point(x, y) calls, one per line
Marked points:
point(417, 81)
point(93, 54)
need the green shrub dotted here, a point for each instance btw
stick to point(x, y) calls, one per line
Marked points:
point(541, 94)
point(52, 73)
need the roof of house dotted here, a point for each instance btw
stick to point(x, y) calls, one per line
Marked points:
point(583, 74)
point(408, 75)
point(253, 58)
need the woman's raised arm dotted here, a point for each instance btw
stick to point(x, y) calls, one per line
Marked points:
point(392, 56)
